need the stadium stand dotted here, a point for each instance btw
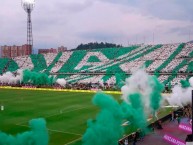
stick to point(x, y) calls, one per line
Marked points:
point(11, 66)
point(39, 62)
point(3, 64)
point(7, 64)
point(24, 62)
point(51, 60)
point(62, 60)
point(170, 62)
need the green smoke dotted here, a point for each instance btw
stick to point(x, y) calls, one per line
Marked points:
point(142, 96)
point(184, 83)
point(106, 129)
point(135, 111)
point(155, 95)
point(36, 78)
point(37, 136)
point(169, 85)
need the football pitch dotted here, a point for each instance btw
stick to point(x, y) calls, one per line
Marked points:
point(66, 113)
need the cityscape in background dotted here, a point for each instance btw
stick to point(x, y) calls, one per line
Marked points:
point(15, 51)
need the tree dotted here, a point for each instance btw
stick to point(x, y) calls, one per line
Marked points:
point(96, 45)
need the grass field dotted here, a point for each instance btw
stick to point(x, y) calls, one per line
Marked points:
point(66, 113)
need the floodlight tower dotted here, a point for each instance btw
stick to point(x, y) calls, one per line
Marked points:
point(28, 6)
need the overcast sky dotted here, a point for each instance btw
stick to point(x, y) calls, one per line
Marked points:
point(71, 22)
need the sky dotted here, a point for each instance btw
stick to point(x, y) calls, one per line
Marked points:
point(72, 22)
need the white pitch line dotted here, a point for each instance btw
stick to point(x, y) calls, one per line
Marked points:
point(64, 132)
point(73, 141)
point(56, 131)
point(55, 114)
point(22, 125)
point(67, 111)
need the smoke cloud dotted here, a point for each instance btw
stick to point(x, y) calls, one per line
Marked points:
point(37, 136)
point(61, 82)
point(185, 84)
point(106, 128)
point(10, 78)
point(134, 112)
point(155, 94)
point(191, 81)
point(29, 77)
point(36, 78)
point(181, 95)
point(141, 97)
point(147, 86)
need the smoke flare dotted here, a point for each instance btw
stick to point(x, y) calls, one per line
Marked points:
point(37, 136)
point(106, 128)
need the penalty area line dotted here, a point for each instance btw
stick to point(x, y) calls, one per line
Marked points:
point(63, 112)
point(65, 132)
point(73, 141)
point(55, 130)
point(56, 114)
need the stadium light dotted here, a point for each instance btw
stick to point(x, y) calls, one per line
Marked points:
point(28, 6)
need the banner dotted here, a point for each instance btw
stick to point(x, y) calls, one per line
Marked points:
point(185, 127)
point(173, 140)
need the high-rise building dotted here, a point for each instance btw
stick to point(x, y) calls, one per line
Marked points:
point(44, 51)
point(62, 49)
point(52, 50)
point(14, 51)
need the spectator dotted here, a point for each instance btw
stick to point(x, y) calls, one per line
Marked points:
point(135, 137)
point(172, 115)
point(141, 134)
point(126, 142)
point(159, 126)
point(178, 118)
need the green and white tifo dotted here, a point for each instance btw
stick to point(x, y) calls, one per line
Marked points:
point(169, 62)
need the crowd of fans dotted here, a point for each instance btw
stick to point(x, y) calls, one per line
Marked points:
point(127, 59)
point(63, 59)
point(24, 62)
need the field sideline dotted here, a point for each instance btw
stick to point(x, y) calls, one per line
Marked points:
point(66, 113)
point(59, 90)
